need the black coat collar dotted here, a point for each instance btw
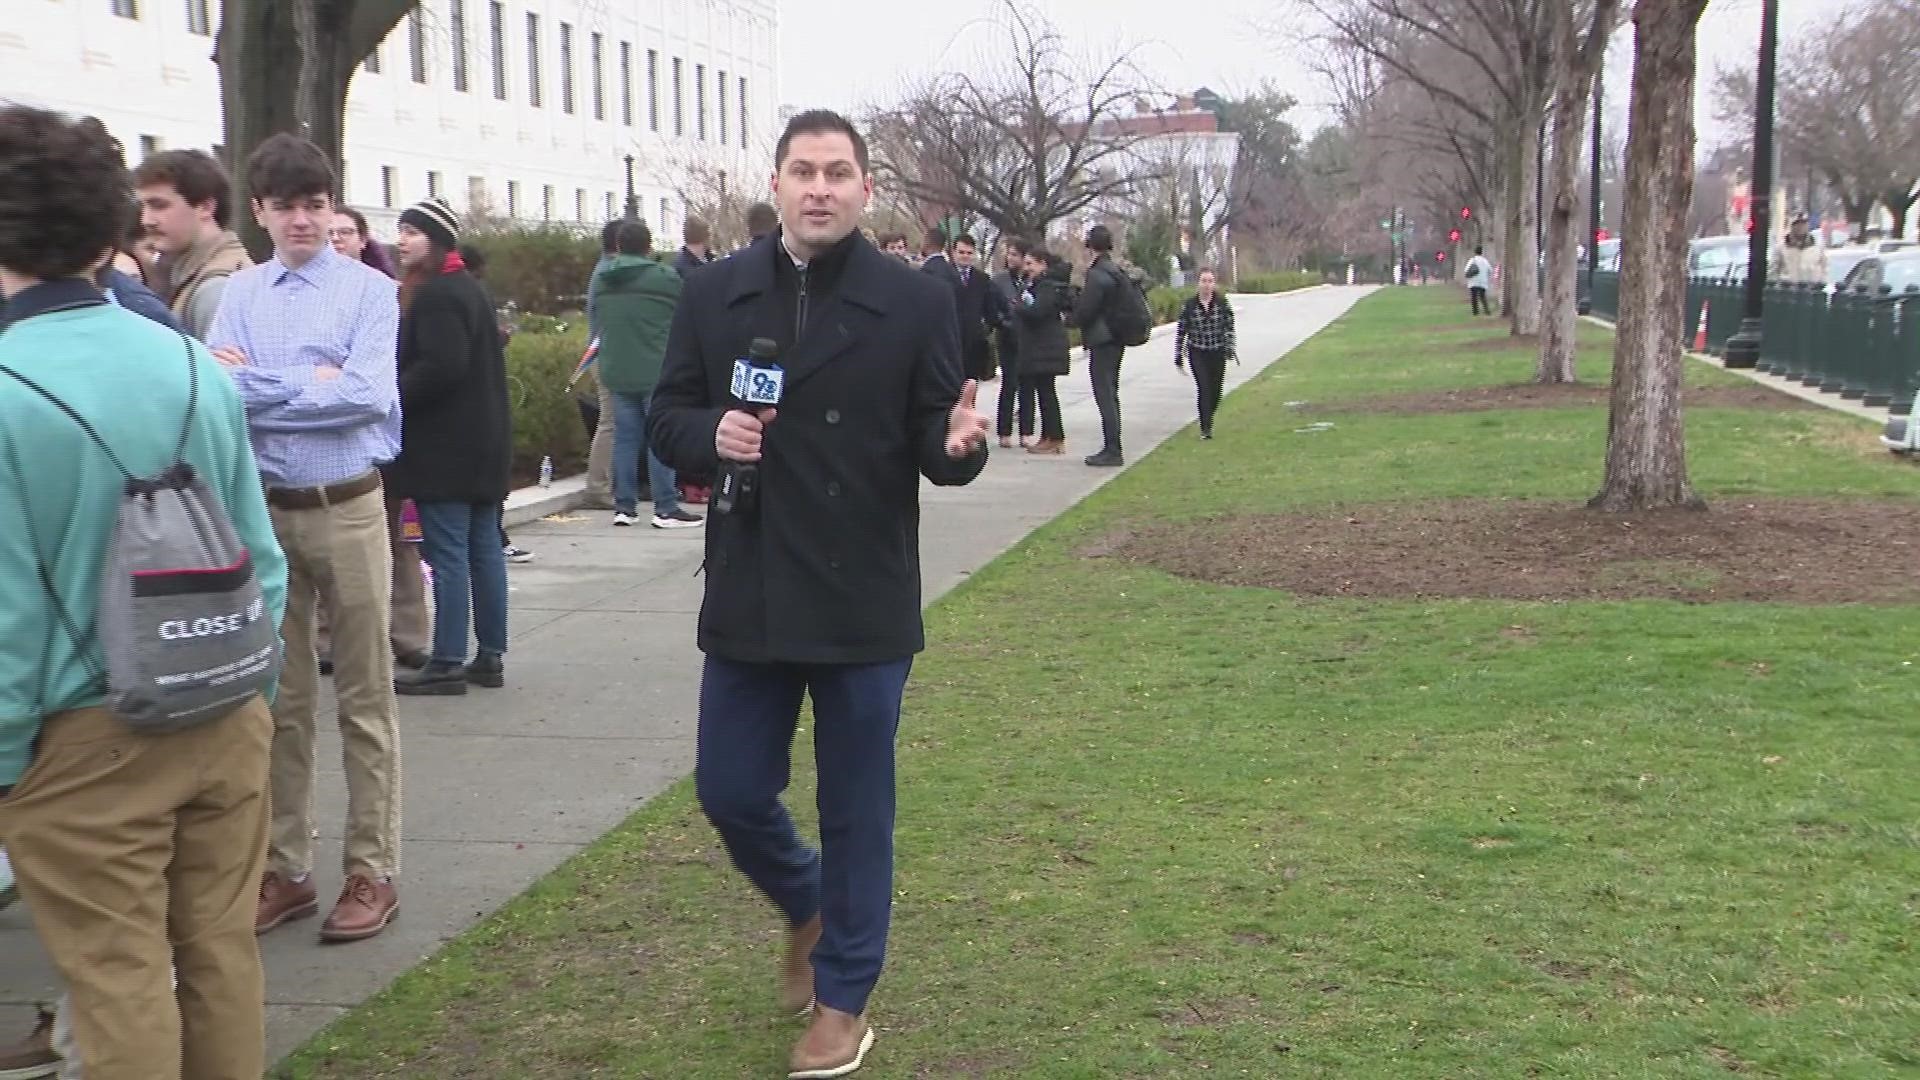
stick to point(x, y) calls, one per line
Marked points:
point(61, 295)
point(862, 285)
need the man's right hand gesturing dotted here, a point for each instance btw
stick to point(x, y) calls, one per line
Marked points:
point(740, 432)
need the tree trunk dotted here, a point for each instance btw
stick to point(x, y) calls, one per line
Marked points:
point(1511, 218)
point(1646, 437)
point(1558, 325)
point(1898, 203)
point(1521, 292)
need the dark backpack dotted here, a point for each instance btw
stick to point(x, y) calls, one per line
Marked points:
point(1129, 316)
point(182, 622)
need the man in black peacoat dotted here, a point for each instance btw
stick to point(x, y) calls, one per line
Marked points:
point(815, 593)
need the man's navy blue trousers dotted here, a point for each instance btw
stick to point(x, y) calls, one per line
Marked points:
point(747, 717)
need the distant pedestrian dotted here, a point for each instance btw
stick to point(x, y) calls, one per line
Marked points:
point(1098, 297)
point(637, 298)
point(350, 238)
point(1016, 394)
point(1041, 313)
point(1799, 257)
point(979, 305)
point(186, 205)
point(1479, 275)
point(694, 250)
point(600, 448)
point(1203, 337)
point(762, 220)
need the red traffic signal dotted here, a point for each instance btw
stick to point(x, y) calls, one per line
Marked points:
point(1439, 256)
point(1603, 236)
point(1454, 236)
point(1466, 212)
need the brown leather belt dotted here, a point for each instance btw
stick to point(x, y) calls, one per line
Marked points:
point(319, 498)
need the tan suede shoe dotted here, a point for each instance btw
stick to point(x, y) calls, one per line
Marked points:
point(796, 969)
point(835, 1045)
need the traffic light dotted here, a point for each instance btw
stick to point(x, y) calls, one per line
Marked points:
point(1466, 213)
point(1453, 236)
point(1603, 236)
point(1439, 256)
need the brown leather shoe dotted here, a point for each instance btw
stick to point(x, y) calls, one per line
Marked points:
point(282, 901)
point(796, 970)
point(365, 907)
point(32, 1057)
point(835, 1045)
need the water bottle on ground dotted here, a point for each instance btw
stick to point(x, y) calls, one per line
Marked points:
point(546, 471)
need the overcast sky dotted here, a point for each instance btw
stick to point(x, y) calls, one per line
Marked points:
point(847, 53)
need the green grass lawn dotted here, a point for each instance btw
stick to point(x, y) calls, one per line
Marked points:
point(1151, 827)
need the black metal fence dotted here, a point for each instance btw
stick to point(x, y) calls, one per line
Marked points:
point(1860, 344)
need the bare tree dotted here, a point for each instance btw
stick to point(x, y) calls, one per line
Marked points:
point(1581, 33)
point(711, 192)
point(1025, 138)
point(1503, 48)
point(1646, 464)
point(1847, 107)
point(285, 66)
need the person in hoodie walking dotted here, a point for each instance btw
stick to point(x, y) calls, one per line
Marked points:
point(1040, 313)
point(1203, 337)
point(636, 298)
point(455, 449)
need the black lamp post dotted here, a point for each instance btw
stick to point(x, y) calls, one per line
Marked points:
point(633, 197)
point(1743, 349)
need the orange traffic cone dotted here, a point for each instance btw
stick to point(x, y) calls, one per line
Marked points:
point(1700, 332)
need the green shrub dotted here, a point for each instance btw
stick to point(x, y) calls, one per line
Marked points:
point(546, 422)
point(1285, 281)
point(542, 269)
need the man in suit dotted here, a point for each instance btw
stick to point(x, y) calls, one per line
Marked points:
point(981, 307)
point(933, 259)
point(815, 591)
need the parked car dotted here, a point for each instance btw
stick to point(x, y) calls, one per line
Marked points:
point(1841, 261)
point(1723, 258)
point(1898, 269)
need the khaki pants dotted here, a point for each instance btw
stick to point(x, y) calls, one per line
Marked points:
point(338, 554)
point(137, 853)
point(600, 456)
point(412, 625)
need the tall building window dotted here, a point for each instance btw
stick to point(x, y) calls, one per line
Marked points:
point(149, 146)
point(513, 198)
point(497, 29)
point(372, 66)
point(126, 9)
point(199, 18)
point(579, 204)
point(433, 185)
point(653, 90)
point(477, 195)
point(389, 187)
point(679, 101)
point(662, 230)
point(457, 30)
point(597, 70)
point(700, 102)
point(417, 46)
point(743, 112)
point(626, 83)
point(533, 59)
point(566, 68)
point(720, 105)
point(546, 202)
point(609, 206)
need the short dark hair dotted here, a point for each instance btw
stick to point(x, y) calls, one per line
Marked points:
point(821, 122)
point(933, 241)
point(1477, 250)
point(762, 219)
point(888, 239)
point(1100, 238)
point(634, 238)
point(610, 236)
point(64, 189)
point(1018, 243)
point(195, 175)
point(474, 257)
point(696, 231)
point(967, 239)
point(288, 167)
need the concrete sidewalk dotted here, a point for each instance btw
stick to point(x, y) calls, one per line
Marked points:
point(597, 716)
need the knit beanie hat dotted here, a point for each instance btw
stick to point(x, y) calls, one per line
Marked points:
point(435, 218)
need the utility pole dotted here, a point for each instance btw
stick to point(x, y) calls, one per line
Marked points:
point(1743, 349)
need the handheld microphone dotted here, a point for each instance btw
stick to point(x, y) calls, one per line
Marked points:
point(757, 384)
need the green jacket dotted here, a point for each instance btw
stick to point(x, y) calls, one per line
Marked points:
point(634, 298)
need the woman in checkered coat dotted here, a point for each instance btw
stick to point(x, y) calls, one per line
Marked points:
point(1203, 337)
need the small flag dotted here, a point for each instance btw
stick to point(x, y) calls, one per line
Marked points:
point(586, 361)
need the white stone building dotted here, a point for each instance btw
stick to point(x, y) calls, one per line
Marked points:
point(525, 108)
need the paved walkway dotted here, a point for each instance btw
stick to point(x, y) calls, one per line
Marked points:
point(597, 716)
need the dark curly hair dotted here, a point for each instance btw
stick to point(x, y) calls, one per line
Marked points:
point(64, 190)
point(195, 175)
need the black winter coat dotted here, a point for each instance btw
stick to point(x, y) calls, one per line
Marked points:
point(827, 570)
point(1040, 328)
point(456, 432)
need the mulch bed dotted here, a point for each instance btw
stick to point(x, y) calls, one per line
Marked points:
point(1537, 396)
point(1801, 551)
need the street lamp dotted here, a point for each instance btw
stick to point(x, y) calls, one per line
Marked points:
point(633, 197)
point(1743, 349)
